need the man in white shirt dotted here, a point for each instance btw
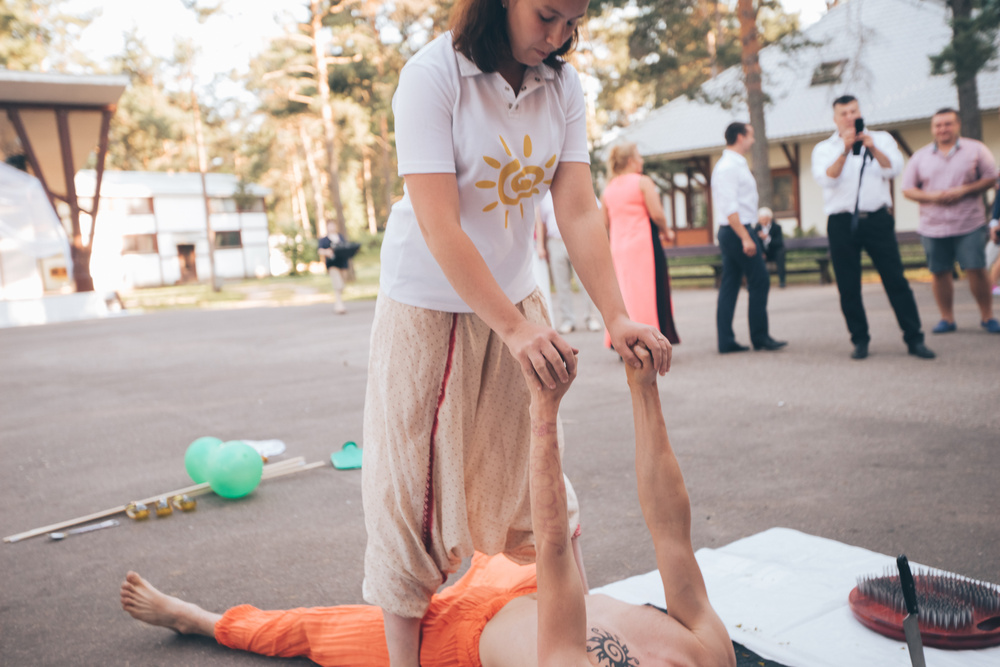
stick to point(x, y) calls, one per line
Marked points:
point(734, 201)
point(857, 200)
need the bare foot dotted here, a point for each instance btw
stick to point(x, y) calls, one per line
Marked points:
point(145, 603)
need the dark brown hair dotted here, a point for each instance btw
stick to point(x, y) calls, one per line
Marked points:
point(479, 32)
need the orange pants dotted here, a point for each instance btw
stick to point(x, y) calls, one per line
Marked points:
point(353, 635)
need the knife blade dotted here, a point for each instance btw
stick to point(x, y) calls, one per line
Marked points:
point(910, 627)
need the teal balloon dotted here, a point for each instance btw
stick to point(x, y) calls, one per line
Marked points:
point(196, 457)
point(234, 469)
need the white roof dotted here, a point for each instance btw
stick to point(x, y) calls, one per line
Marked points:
point(160, 184)
point(886, 44)
point(67, 89)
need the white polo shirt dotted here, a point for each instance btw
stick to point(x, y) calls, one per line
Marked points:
point(503, 149)
point(839, 194)
point(734, 189)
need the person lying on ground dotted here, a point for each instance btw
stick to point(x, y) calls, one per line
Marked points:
point(500, 613)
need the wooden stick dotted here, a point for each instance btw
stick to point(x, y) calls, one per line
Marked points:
point(271, 471)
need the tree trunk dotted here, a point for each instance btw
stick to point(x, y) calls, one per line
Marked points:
point(968, 92)
point(366, 170)
point(387, 173)
point(202, 170)
point(81, 266)
point(326, 110)
point(299, 197)
point(755, 99)
point(317, 183)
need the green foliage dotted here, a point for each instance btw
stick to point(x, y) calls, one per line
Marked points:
point(297, 249)
point(37, 34)
point(23, 38)
point(648, 52)
point(975, 25)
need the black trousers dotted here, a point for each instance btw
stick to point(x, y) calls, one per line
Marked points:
point(777, 255)
point(735, 265)
point(876, 235)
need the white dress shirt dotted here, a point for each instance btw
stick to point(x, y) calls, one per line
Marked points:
point(734, 189)
point(840, 194)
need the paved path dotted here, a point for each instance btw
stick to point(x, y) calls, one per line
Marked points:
point(894, 454)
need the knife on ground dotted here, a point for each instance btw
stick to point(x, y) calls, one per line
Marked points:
point(910, 628)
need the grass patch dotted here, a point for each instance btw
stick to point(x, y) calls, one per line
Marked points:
point(302, 288)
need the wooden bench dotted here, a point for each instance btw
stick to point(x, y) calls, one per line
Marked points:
point(711, 255)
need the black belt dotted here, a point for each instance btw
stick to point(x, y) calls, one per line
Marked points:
point(865, 214)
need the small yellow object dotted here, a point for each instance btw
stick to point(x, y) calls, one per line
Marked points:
point(137, 511)
point(184, 503)
point(163, 508)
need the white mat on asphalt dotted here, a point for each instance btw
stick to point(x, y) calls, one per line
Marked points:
point(783, 594)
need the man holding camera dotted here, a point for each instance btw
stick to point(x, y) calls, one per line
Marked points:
point(855, 169)
point(948, 178)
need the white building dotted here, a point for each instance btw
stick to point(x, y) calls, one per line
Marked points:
point(151, 229)
point(876, 50)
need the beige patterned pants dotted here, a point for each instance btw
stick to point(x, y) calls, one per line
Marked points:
point(446, 440)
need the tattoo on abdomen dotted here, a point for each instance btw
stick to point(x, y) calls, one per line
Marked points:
point(610, 650)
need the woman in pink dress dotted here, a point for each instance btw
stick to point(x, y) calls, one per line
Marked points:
point(636, 223)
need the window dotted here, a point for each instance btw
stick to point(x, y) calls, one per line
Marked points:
point(828, 73)
point(228, 240)
point(251, 205)
point(139, 244)
point(784, 196)
point(217, 205)
point(139, 206)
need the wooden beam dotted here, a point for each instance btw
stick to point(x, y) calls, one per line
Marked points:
point(102, 152)
point(15, 119)
point(902, 142)
point(793, 161)
point(62, 122)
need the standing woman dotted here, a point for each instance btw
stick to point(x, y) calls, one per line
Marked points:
point(633, 214)
point(487, 118)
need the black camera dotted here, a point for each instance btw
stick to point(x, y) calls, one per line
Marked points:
point(859, 127)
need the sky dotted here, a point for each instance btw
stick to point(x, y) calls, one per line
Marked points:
point(228, 41)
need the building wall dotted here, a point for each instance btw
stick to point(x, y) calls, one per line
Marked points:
point(175, 221)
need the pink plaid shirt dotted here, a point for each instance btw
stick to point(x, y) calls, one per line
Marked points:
point(929, 169)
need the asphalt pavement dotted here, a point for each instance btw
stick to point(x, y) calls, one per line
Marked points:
point(893, 453)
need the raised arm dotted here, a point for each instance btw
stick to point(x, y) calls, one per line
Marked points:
point(667, 510)
point(562, 614)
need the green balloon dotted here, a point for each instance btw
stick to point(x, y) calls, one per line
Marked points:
point(234, 469)
point(196, 457)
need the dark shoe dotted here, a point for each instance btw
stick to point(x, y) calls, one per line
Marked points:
point(944, 326)
point(991, 325)
point(770, 345)
point(860, 351)
point(733, 347)
point(920, 350)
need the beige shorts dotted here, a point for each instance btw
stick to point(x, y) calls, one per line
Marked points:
point(446, 442)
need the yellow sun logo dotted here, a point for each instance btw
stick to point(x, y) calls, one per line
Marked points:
point(515, 183)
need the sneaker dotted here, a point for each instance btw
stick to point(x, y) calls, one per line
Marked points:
point(944, 326)
point(339, 308)
point(594, 325)
point(991, 325)
point(565, 328)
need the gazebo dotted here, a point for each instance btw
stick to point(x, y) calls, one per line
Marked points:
point(56, 121)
